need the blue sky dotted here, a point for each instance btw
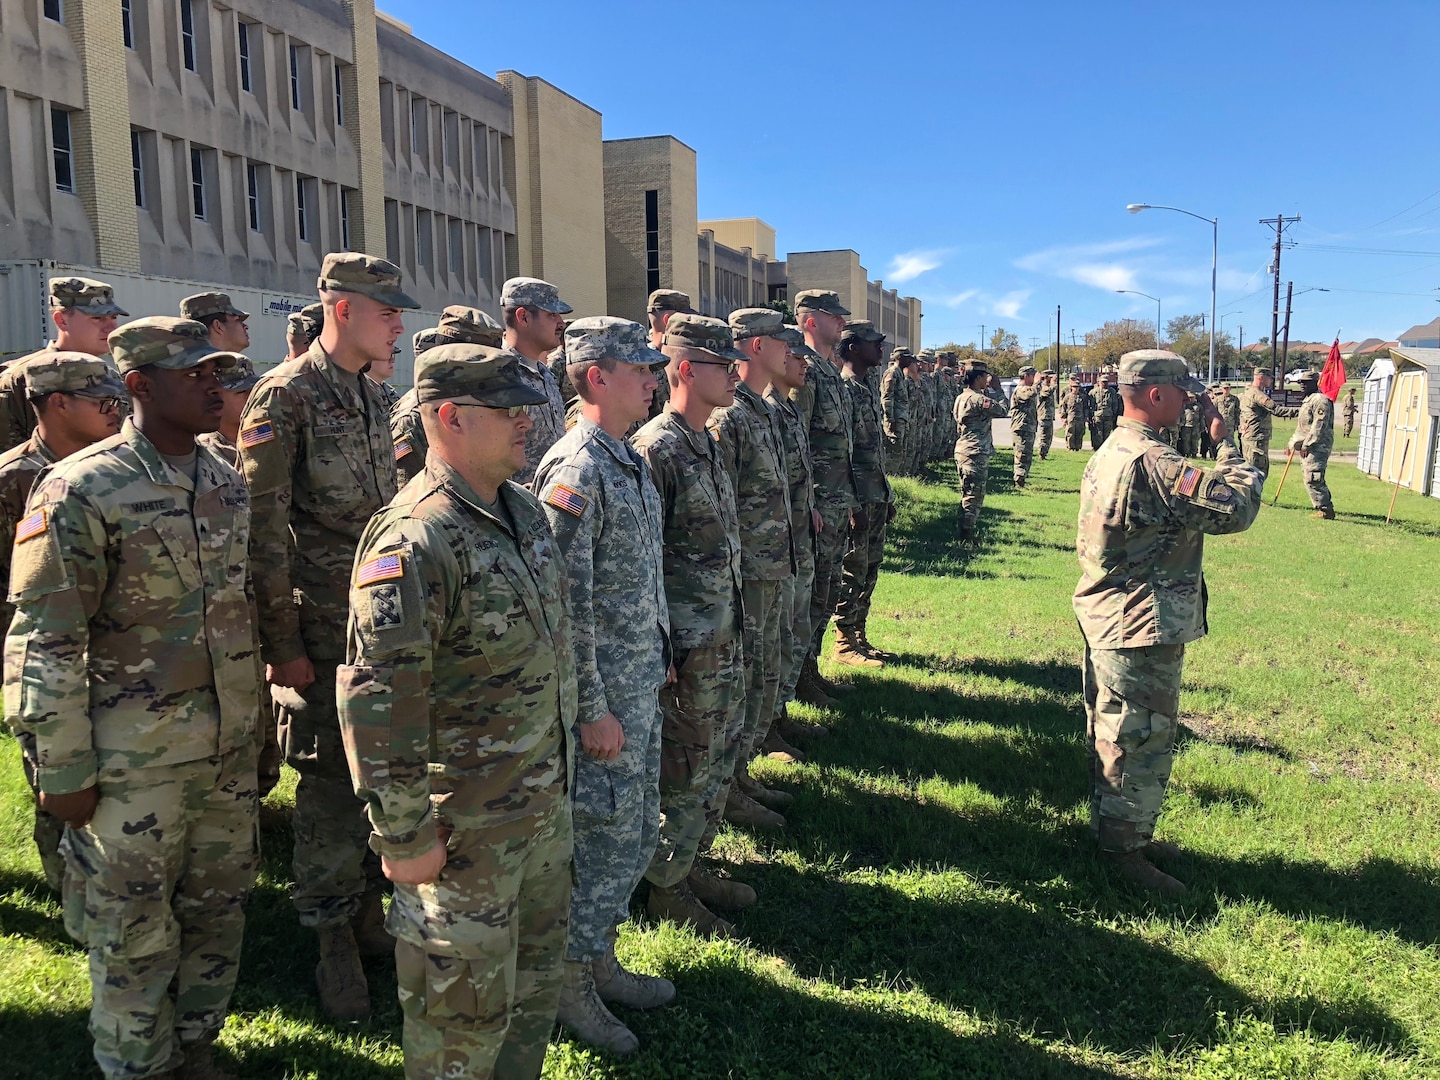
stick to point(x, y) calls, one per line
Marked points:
point(980, 156)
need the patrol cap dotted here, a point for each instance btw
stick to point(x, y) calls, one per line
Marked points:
point(354, 272)
point(977, 367)
point(162, 342)
point(899, 351)
point(820, 300)
point(601, 337)
point(669, 300)
point(1155, 367)
point(468, 325)
point(862, 330)
point(756, 322)
point(792, 337)
point(491, 376)
point(521, 292)
point(430, 337)
point(309, 320)
point(203, 305)
point(1303, 377)
point(57, 371)
point(1026, 370)
point(702, 332)
point(241, 376)
point(85, 296)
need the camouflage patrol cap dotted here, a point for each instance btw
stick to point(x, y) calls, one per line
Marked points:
point(820, 300)
point(977, 367)
point(861, 330)
point(605, 337)
point(241, 376)
point(924, 354)
point(61, 372)
point(792, 337)
point(309, 320)
point(899, 351)
point(490, 376)
point(1155, 367)
point(669, 300)
point(470, 326)
point(354, 272)
point(704, 333)
point(1302, 377)
point(948, 354)
point(1028, 369)
point(203, 305)
point(1074, 377)
point(85, 296)
point(521, 292)
point(162, 342)
point(430, 337)
point(756, 322)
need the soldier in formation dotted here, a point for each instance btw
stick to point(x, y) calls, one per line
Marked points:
point(1188, 439)
point(895, 393)
point(1024, 423)
point(1349, 409)
point(534, 317)
point(1314, 438)
point(1049, 382)
point(974, 411)
point(1104, 408)
point(1074, 411)
point(1257, 413)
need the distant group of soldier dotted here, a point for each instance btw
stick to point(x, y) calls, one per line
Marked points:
point(520, 631)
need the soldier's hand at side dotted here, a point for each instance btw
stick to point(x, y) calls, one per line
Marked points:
point(296, 674)
point(859, 520)
point(75, 808)
point(818, 522)
point(671, 676)
point(420, 870)
point(1304, 451)
point(604, 739)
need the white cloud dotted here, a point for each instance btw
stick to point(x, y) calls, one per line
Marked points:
point(1085, 263)
point(962, 297)
point(1008, 306)
point(1108, 276)
point(911, 264)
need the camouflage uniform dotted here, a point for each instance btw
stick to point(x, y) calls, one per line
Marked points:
point(668, 301)
point(457, 702)
point(1144, 512)
point(704, 711)
point(129, 573)
point(1349, 409)
point(1315, 433)
point(1047, 417)
point(606, 515)
point(974, 411)
point(547, 422)
point(1256, 425)
point(866, 547)
point(1189, 437)
point(795, 629)
point(1074, 414)
point(1228, 406)
point(895, 390)
point(1024, 420)
point(1104, 408)
point(317, 455)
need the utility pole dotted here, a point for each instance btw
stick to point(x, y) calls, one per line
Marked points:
point(1057, 339)
point(982, 336)
point(1285, 349)
point(1279, 223)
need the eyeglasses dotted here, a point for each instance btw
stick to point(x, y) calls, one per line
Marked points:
point(106, 405)
point(511, 411)
point(730, 366)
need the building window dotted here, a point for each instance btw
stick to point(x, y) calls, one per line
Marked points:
point(652, 240)
point(424, 239)
point(339, 96)
point(244, 32)
point(252, 195)
point(187, 38)
point(419, 111)
point(197, 181)
point(137, 166)
point(457, 247)
point(127, 25)
point(302, 211)
point(60, 137)
point(345, 219)
point(52, 10)
point(295, 77)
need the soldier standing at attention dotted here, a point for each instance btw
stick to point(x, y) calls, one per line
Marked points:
point(76, 398)
point(895, 404)
point(1105, 407)
point(916, 420)
point(219, 315)
point(659, 307)
point(1314, 438)
point(821, 402)
point(316, 451)
point(1024, 421)
point(132, 659)
point(703, 712)
point(456, 702)
point(534, 317)
point(860, 354)
point(1257, 410)
point(605, 512)
point(1349, 409)
point(1074, 411)
point(84, 312)
point(974, 411)
point(753, 450)
point(1048, 382)
point(1189, 431)
point(1144, 513)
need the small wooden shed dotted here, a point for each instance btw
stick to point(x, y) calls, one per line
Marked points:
point(1412, 420)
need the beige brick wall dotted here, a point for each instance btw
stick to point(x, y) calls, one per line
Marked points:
point(632, 167)
point(100, 133)
point(740, 233)
point(362, 102)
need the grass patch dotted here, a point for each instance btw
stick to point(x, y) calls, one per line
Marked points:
point(934, 908)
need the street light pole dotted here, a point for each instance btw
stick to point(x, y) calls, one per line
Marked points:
point(1135, 208)
point(1147, 296)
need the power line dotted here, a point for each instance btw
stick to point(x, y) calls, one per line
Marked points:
point(1335, 249)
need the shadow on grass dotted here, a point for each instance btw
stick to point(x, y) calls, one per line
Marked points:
point(24, 897)
point(48, 1044)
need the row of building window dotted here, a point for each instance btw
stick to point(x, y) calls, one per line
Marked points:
point(472, 253)
point(430, 123)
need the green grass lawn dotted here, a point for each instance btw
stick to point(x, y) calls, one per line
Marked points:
point(934, 908)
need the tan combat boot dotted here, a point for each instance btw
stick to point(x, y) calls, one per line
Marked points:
point(740, 809)
point(872, 650)
point(1161, 849)
point(848, 652)
point(1135, 868)
point(680, 905)
point(368, 925)
point(776, 748)
point(715, 891)
point(1327, 515)
point(617, 986)
point(793, 729)
point(200, 1063)
point(765, 796)
point(344, 992)
point(585, 1016)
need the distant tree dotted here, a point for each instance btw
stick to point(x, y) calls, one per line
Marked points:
point(1117, 337)
point(783, 306)
point(1192, 341)
point(1004, 341)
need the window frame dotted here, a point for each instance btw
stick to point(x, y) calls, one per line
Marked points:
point(137, 167)
point(66, 153)
point(127, 23)
point(302, 211)
point(247, 73)
point(199, 201)
point(188, 52)
point(295, 77)
point(252, 197)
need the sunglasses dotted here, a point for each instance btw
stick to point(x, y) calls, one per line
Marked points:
point(730, 366)
point(511, 411)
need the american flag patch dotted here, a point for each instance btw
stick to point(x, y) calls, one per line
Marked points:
point(382, 568)
point(32, 526)
point(1189, 481)
point(402, 448)
point(256, 434)
point(567, 499)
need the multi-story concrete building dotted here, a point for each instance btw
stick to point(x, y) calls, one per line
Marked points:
point(650, 215)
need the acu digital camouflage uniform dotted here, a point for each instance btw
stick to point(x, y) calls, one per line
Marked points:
point(606, 515)
point(1349, 409)
point(665, 302)
point(547, 421)
point(1024, 424)
point(457, 703)
point(1315, 435)
point(795, 631)
point(1144, 513)
point(1074, 413)
point(895, 388)
point(131, 659)
point(974, 411)
point(1257, 410)
point(866, 547)
point(316, 452)
point(52, 372)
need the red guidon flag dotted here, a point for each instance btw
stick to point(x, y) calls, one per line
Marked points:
point(1332, 376)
